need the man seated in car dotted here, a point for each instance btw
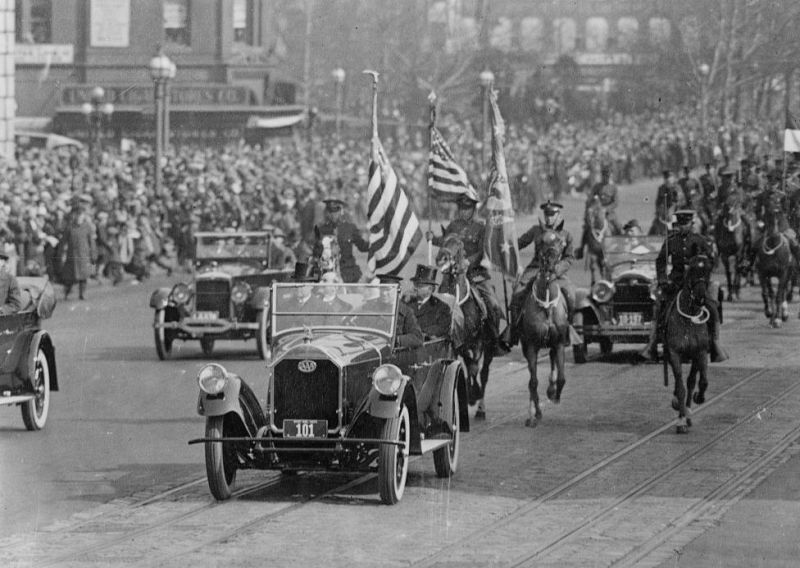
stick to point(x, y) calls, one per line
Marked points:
point(328, 300)
point(10, 294)
point(433, 315)
point(408, 333)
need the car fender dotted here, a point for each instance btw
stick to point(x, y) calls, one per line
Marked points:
point(40, 339)
point(236, 397)
point(260, 298)
point(454, 379)
point(384, 407)
point(160, 298)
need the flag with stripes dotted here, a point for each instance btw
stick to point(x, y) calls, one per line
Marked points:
point(500, 245)
point(447, 181)
point(791, 136)
point(394, 230)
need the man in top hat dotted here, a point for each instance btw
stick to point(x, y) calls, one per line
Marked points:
point(472, 233)
point(10, 293)
point(551, 222)
point(408, 333)
point(432, 314)
point(604, 191)
point(347, 235)
point(678, 249)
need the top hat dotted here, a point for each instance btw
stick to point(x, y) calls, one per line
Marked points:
point(551, 208)
point(684, 216)
point(302, 273)
point(389, 278)
point(425, 275)
point(334, 204)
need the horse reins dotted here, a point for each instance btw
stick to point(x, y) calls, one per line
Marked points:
point(697, 319)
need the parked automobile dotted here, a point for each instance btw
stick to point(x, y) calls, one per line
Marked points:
point(226, 297)
point(619, 308)
point(337, 394)
point(28, 354)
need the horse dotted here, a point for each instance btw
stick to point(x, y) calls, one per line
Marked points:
point(686, 340)
point(597, 227)
point(328, 259)
point(774, 259)
point(729, 234)
point(545, 325)
point(478, 347)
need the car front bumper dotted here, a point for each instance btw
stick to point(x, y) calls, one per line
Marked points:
point(616, 333)
point(197, 328)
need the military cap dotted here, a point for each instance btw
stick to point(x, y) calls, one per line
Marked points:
point(425, 275)
point(744, 162)
point(684, 216)
point(551, 208)
point(334, 204)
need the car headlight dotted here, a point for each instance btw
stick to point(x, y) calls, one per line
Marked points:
point(212, 378)
point(602, 291)
point(387, 379)
point(240, 292)
point(181, 293)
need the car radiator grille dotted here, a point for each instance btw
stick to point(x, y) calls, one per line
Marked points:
point(312, 396)
point(213, 296)
point(633, 298)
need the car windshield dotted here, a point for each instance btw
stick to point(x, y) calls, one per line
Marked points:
point(625, 252)
point(237, 246)
point(297, 306)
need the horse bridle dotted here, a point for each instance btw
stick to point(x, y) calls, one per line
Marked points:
point(697, 319)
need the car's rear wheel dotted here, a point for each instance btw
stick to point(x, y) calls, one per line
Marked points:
point(579, 349)
point(207, 345)
point(220, 460)
point(262, 338)
point(163, 338)
point(445, 459)
point(34, 412)
point(393, 459)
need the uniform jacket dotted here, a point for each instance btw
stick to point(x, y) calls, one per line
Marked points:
point(433, 316)
point(679, 248)
point(666, 198)
point(9, 293)
point(534, 235)
point(472, 232)
point(348, 237)
point(606, 192)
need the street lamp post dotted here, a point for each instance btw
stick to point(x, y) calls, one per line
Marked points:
point(96, 112)
point(338, 77)
point(162, 69)
point(703, 70)
point(487, 79)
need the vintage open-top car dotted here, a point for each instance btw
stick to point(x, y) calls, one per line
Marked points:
point(619, 308)
point(28, 355)
point(337, 394)
point(228, 296)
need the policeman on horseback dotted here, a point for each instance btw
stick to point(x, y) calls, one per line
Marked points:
point(471, 232)
point(605, 191)
point(679, 248)
point(553, 224)
point(347, 236)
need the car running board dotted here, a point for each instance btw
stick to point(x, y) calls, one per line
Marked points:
point(19, 399)
point(431, 445)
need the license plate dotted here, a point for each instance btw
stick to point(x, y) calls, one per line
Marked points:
point(206, 315)
point(305, 428)
point(630, 318)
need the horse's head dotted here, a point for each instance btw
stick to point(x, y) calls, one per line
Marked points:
point(551, 249)
point(328, 259)
point(696, 278)
point(451, 256)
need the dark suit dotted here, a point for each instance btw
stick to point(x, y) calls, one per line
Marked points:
point(10, 293)
point(433, 317)
point(408, 332)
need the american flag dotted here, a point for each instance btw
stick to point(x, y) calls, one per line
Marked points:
point(394, 231)
point(447, 181)
point(500, 245)
point(791, 135)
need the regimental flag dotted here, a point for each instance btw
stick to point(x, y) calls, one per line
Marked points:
point(500, 246)
point(447, 181)
point(394, 231)
point(791, 136)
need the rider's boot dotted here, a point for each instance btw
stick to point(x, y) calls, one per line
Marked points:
point(717, 352)
point(515, 309)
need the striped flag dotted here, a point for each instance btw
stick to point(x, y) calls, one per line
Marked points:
point(500, 245)
point(394, 231)
point(791, 136)
point(447, 181)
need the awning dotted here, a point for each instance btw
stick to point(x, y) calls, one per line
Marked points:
point(275, 122)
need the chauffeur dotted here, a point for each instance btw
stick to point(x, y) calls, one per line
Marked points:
point(433, 315)
point(347, 235)
point(681, 246)
point(408, 333)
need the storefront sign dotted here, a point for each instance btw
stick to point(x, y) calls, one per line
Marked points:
point(111, 23)
point(44, 54)
point(143, 95)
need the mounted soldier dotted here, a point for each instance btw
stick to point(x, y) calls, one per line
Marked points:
point(605, 191)
point(678, 249)
point(347, 236)
point(472, 232)
point(694, 198)
point(666, 201)
point(552, 223)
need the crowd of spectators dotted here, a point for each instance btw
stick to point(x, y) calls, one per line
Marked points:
point(45, 195)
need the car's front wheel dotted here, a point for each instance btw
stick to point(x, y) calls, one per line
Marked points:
point(162, 337)
point(34, 412)
point(262, 338)
point(445, 459)
point(393, 458)
point(220, 460)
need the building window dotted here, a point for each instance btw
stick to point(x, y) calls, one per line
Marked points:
point(596, 34)
point(531, 34)
point(33, 21)
point(243, 20)
point(627, 32)
point(176, 22)
point(564, 36)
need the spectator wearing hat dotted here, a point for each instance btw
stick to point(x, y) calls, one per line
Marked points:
point(347, 235)
point(79, 250)
point(678, 249)
point(606, 192)
point(10, 293)
point(433, 315)
point(552, 223)
point(471, 232)
point(408, 333)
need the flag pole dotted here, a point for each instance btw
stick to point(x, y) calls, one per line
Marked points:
point(375, 75)
point(432, 102)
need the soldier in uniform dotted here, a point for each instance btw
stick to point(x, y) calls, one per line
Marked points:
point(472, 234)
point(666, 199)
point(552, 222)
point(694, 199)
point(347, 235)
point(680, 246)
point(408, 333)
point(433, 315)
point(606, 192)
point(710, 188)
